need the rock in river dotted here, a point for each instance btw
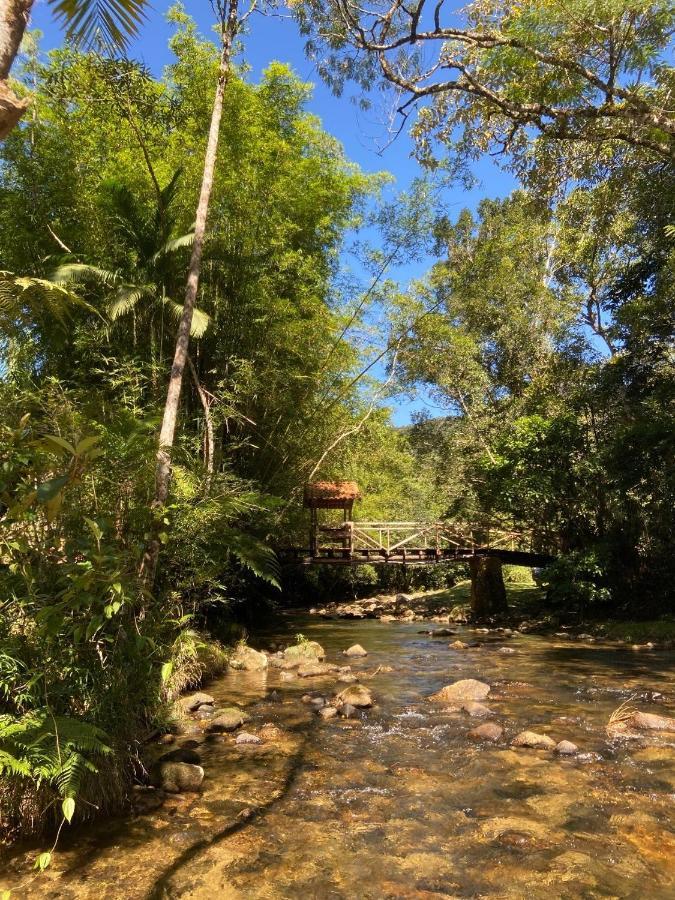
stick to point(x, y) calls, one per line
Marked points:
point(489, 731)
point(247, 659)
point(245, 738)
point(476, 709)
point(228, 719)
point(327, 712)
point(466, 689)
point(566, 748)
point(313, 670)
point(356, 695)
point(194, 701)
point(304, 652)
point(356, 650)
point(175, 777)
point(458, 645)
point(652, 722)
point(532, 739)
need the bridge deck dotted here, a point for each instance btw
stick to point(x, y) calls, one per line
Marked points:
point(410, 556)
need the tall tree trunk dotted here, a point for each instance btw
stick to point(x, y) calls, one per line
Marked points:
point(230, 26)
point(488, 593)
point(14, 15)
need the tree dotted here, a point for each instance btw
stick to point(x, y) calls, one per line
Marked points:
point(571, 71)
point(112, 21)
point(229, 23)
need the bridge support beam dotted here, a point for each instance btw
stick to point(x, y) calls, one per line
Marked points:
point(488, 593)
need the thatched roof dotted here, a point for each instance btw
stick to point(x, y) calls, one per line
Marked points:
point(331, 494)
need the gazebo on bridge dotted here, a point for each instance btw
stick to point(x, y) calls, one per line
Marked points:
point(348, 542)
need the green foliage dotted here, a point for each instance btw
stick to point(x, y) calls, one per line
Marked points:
point(52, 751)
point(576, 583)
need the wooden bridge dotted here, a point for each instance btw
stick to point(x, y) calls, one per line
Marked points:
point(350, 543)
point(416, 543)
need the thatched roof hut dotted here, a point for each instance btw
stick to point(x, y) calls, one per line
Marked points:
point(331, 494)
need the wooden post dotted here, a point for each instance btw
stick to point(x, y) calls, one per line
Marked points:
point(313, 533)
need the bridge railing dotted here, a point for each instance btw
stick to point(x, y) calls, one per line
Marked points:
point(396, 538)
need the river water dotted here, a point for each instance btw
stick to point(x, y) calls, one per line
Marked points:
point(399, 802)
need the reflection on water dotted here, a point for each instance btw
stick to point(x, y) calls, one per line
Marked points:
point(400, 802)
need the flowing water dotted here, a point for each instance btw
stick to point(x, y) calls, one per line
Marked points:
point(400, 802)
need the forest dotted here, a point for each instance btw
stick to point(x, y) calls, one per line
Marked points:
point(200, 313)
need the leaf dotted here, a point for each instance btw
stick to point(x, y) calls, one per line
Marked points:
point(59, 443)
point(86, 443)
point(43, 861)
point(68, 807)
point(167, 669)
point(49, 489)
point(95, 528)
point(116, 21)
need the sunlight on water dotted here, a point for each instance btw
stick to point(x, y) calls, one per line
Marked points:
point(400, 802)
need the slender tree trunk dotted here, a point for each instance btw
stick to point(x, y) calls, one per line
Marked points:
point(14, 16)
point(209, 436)
point(230, 25)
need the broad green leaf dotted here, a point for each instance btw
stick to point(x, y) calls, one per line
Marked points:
point(86, 443)
point(43, 861)
point(58, 443)
point(68, 807)
point(49, 489)
point(167, 669)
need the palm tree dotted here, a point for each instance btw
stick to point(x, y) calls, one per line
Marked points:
point(113, 22)
point(143, 283)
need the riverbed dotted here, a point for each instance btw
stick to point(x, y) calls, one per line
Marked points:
point(400, 801)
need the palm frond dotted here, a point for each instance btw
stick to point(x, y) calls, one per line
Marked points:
point(78, 273)
point(114, 20)
point(200, 319)
point(127, 297)
point(185, 240)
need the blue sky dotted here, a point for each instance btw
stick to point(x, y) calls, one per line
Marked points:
point(363, 135)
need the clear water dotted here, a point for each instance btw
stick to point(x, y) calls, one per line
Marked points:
point(400, 803)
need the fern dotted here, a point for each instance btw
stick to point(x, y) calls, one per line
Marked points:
point(254, 555)
point(51, 750)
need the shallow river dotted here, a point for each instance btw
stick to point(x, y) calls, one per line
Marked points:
point(400, 802)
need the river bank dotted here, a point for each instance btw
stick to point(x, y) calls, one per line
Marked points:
point(528, 613)
point(404, 798)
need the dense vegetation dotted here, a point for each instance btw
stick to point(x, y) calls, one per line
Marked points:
point(543, 329)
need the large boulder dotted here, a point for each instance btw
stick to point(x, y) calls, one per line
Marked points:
point(304, 652)
point(355, 695)
point(534, 740)
point(247, 659)
point(461, 691)
point(228, 719)
point(175, 777)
